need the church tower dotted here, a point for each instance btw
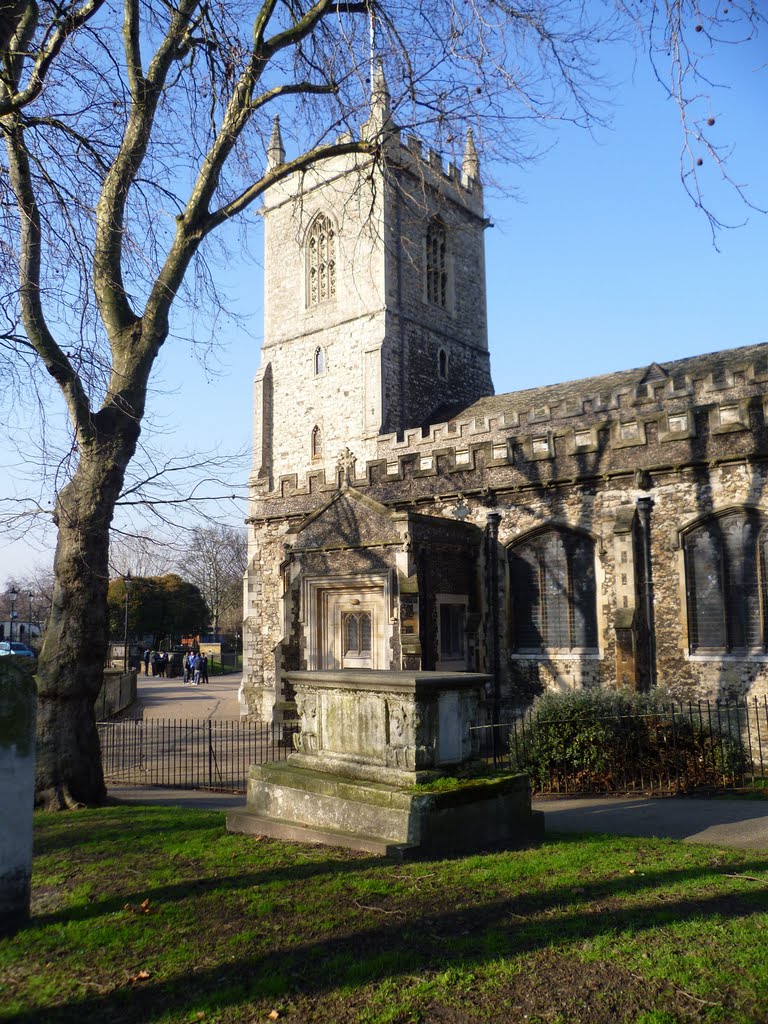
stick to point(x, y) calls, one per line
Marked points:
point(374, 306)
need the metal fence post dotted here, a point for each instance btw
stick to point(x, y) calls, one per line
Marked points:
point(210, 754)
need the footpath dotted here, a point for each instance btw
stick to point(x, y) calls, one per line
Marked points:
point(717, 821)
point(170, 698)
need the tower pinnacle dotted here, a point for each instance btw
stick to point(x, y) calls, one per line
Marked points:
point(470, 166)
point(380, 119)
point(275, 149)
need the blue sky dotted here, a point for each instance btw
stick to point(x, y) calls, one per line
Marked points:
point(598, 262)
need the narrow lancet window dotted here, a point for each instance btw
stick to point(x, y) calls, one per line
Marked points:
point(316, 443)
point(437, 265)
point(319, 362)
point(442, 364)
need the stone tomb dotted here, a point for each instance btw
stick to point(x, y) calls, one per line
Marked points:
point(367, 740)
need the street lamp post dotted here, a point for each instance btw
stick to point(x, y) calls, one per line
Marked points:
point(29, 620)
point(127, 581)
point(13, 595)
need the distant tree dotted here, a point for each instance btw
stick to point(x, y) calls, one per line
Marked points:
point(32, 605)
point(216, 561)
point(141, 555)
point(162, 607)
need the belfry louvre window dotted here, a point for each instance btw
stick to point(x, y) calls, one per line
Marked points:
point(321, 261)
point(437, 264)
point(552, 579)
point(725, 574)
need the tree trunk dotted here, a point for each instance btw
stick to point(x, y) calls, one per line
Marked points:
point(71, 667)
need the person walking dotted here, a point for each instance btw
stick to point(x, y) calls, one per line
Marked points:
point(204, 669)
point(197, 669)
point(146, 662)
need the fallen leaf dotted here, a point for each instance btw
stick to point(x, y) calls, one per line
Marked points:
point(138, 908)
point(274, 1015)
point(141, 976)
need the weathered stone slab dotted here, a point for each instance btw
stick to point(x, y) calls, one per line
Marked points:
point(400, 727)
point(291, 802)
point(368, 742)
point(18, 707)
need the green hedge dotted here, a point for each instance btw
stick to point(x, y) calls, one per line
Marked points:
point(598, 741)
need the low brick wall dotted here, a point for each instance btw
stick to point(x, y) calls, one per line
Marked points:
point(117, 693)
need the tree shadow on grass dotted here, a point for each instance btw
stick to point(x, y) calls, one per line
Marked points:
point(420, 937)
point(195, 887)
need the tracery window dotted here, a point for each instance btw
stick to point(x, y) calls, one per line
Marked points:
point(725, 571)
point(321, 261)
point(316, 443)
point(356, 634)
point(554, 596)
point(437, 264)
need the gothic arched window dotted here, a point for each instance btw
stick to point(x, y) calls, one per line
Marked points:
point(321, 261)
point(725, 561)
point(554, 592)
point(437, 264)
point(319, 361)
point(442, 364)
point(316, 443)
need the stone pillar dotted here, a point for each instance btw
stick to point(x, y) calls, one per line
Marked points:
point(18, 707)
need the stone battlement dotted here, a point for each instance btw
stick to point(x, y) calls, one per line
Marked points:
point(706, 414)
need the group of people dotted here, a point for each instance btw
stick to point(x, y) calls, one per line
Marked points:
point(195, 666)
point(195, 669)
point(159, 662)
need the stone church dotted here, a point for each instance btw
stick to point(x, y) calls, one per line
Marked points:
point(611, 531)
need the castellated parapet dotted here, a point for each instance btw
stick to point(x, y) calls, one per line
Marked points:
point(704, 410)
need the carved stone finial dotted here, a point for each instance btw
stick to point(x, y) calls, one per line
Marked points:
point(275, 149)
point(345, 464)
point(470, 166)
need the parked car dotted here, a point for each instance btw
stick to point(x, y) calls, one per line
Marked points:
point(20, 650)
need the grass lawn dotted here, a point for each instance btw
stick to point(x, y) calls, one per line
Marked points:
point(149, 914)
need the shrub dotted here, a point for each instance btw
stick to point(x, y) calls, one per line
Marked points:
point(602, 741)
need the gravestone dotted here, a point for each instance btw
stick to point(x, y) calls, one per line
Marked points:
point(18, 707)
point(371, 749)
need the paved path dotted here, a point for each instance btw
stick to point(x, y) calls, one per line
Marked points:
point(721, 821)
point(170, 698)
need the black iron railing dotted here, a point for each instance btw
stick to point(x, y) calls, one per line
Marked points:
point(189, 753)
point(678, 748)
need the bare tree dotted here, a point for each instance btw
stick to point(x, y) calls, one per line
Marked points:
point(215, 561)
point(134, 132)
point(31, 605)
